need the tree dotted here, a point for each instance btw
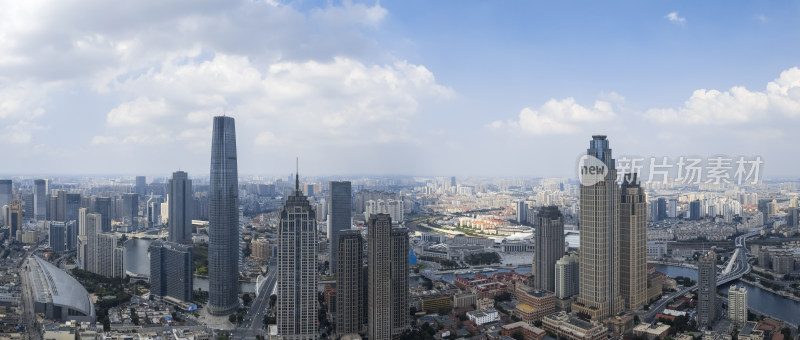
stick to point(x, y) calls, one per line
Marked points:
point(272, 299)
point(232, 318)
point(246, 299)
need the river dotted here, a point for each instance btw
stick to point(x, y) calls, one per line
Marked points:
point(137, 261)
point(757, 299)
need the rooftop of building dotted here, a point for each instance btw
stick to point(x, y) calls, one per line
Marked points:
point(748, 328)
point(53, 285)
point(525, 308)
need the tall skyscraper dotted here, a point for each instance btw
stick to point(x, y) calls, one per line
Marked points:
point(297, 268)
point(223, 246)
point(141, 186)
point(549, 247)
point(737, 305)
point(130, 210)
point(599, 220)
point(71, 236)
point(522, 212)
point(72, 204)
point(567, 276)
point(707, 290)
point(662, 208)
point(350, 302)
point(633, 243)
point(388, 278)
point(61, 205)
point(102, 206)
point(14, 220)
point(5, 197)
point(171, 270)
point(181, 207)
point(39, 199)
point(55, 235)
point(340, 206)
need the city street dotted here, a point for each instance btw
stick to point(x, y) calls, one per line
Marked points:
point(253, 323)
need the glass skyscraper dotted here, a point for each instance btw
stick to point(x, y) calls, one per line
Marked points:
point(181, 202)
point(223, 247)
point(340, 210)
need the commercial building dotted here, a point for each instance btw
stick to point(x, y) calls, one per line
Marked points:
point(529, 332)
point(655, 331)
point(567, 269)
point(633, 243)
point(181, 207)
point(171, 270)
point(297, 268)
point(599, 286)
point(39, 199)
point(340, 208)
point(223, 230)
point(549, 246)
point(568, 326)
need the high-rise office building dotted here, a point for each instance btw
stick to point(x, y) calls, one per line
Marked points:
point(707, 290)
point(102, 206)
point(297, 268)
point(522, 212)
point(55, 236)
point(737, 305)
point(672, 208)
point(340, 208)
point(599, 295)
point(61, 205)
point(350, 302)
point(141, 186)
point(14, 220)
point(662, 208)
point(181, 206)
point(39, 199)
point(6, 187)
point(71, 235)
point(130, 210)
point(694, 210)
point(171, 270)
point(633, 243)
point(549, 248)
point(71, 205)
point(388, 278)
point(223, 229)
point(567, 276)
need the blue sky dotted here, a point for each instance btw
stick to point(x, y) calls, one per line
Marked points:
point(499, 88)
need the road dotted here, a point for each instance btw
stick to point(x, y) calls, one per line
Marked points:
point(28, 315)
point(253, 323)
point(740, 267)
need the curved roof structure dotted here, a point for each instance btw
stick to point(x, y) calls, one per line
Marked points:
point(52, 285)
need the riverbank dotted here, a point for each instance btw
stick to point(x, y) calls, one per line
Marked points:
point(776, 292)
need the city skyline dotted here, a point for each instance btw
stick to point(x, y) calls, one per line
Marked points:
point(434, 89)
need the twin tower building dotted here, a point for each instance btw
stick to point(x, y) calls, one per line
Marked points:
point(612, 261)
point(380, 311)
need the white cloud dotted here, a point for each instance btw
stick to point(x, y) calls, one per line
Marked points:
point(338, 100)
point(559, 117)
point(737, 105)
point(675, 19)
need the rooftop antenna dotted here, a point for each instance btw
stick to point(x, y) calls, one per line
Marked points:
point(297, 174)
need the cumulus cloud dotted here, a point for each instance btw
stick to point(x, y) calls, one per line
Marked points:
point(675, 19)
point(338, 100)
point(559, 117)
point(738, 104)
